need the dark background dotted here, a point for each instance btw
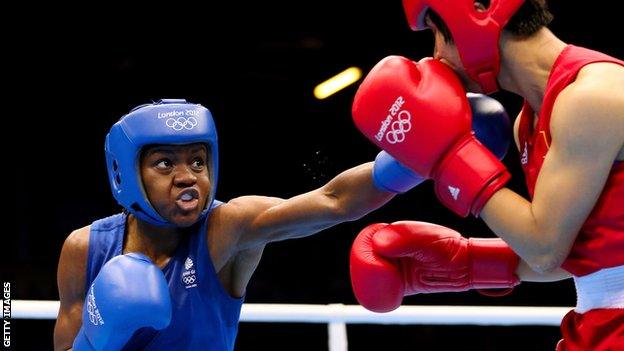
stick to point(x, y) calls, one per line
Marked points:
point(72, 72)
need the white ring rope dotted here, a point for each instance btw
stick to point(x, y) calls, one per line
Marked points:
point(337, 315)
point(287, 313)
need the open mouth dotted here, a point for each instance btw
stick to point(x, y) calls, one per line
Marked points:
point(188, 199)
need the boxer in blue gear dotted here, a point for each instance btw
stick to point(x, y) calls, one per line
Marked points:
point(162, 161)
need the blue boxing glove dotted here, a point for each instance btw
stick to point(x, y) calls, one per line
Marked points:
point(129, 293)
point(391, 176)
point(490, 124)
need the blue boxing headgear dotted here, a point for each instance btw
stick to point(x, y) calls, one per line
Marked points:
point(168, 121)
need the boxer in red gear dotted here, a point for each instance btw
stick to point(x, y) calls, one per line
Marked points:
point(570, 134)
point(597, 253)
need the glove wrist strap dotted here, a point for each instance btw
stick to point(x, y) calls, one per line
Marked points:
point(468, 176)
point(493, 264)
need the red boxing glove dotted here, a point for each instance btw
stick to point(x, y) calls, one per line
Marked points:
point(418, 113)
point(389, 261)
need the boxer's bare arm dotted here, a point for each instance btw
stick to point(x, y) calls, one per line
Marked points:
point(71, 279)
point(524, 271)
point(347, 197)
point(516, 126)
point(241, 228)
point(587, 130)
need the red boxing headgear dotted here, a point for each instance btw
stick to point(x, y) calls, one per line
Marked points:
point(474, 32)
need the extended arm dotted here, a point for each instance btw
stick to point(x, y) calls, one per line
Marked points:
point(349, 196)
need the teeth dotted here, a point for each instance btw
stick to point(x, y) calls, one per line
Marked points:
point(186, 197)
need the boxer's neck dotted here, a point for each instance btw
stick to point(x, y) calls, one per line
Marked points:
point(158, 243)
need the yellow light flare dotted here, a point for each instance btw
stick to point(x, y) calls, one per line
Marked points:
point(337, 82)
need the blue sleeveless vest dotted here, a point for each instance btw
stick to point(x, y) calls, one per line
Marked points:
point(204, 316)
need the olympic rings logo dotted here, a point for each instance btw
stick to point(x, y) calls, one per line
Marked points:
point(181, 123)
point(94, 314)
point(399, 127)
point(188, 280)
point(91, 309)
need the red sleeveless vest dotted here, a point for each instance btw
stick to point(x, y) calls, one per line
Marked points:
point(600, 242)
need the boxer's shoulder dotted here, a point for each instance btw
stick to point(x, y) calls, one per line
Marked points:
point(594, 93)
point(239, 213)
point(228, 222)
point(595, 82)
point(76, 244)
point(601, 73)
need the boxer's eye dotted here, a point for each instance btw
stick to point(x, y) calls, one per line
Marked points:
point(198, 163)
point(163, 163)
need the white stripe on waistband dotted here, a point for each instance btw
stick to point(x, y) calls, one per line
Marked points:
point(602, 289)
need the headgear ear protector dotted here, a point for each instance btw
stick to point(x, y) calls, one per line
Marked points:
point(167, 121)
point(476, 33)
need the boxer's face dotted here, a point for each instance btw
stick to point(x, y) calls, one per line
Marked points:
point(176, 180)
